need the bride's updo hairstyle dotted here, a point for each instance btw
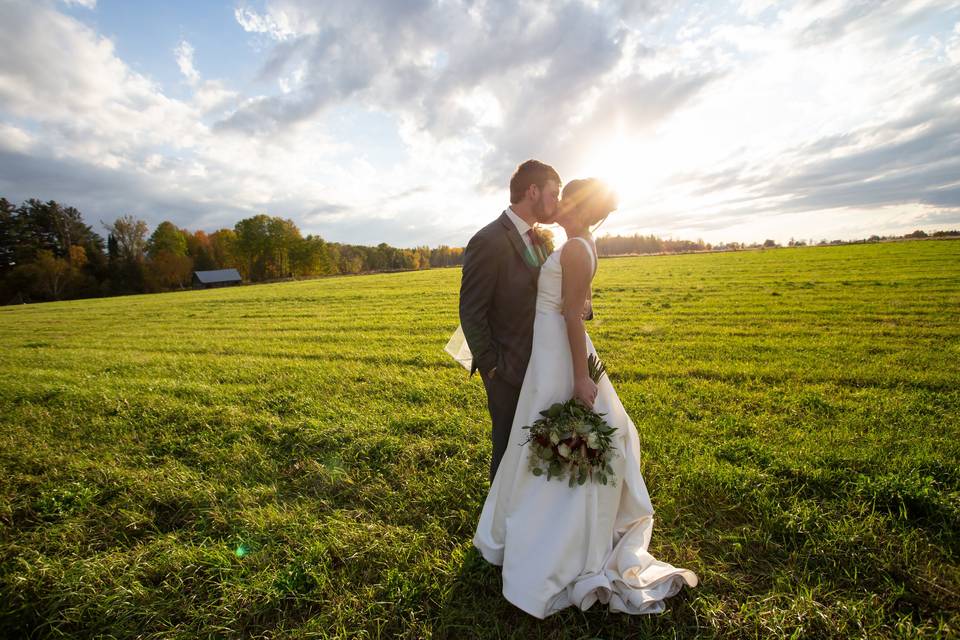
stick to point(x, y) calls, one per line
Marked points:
point(590, 199)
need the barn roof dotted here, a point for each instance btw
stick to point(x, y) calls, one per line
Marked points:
point(219, 275)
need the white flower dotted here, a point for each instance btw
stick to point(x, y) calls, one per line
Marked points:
point(554, 438)
point(592, 440)
point(564, 450)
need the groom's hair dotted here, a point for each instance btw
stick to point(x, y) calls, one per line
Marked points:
point(528, 173)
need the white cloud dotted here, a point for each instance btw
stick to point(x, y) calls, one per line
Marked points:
point(953, 45)
point(863, 119)
point(276, 24)
point(115, 119)
point(184, 56)
point(213, 94)
point(752, 8)
point(86, 4)
point(14, 139)
point(401, 122)
point(509, 68)
point(64, 77)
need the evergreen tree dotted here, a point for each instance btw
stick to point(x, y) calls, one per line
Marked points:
point(8, 235)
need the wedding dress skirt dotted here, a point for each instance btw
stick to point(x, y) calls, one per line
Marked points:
point(561, 546)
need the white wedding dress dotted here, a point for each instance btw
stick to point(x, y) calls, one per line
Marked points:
point(561, 546)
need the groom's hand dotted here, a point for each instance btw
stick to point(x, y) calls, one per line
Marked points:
point(491, 373)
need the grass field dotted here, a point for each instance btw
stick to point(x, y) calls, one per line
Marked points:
point(303, 460)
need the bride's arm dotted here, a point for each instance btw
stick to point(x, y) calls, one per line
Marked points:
point(577, 268)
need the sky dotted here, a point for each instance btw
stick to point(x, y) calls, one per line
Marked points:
point(401, 121)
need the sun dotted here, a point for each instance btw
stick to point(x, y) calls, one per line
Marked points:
point(621, 162)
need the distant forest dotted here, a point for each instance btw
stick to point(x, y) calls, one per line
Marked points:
point(47, 252)
point(640, 245)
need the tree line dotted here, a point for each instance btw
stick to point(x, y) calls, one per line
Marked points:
point(48, 252)
point(624, 245)
point(640, 244)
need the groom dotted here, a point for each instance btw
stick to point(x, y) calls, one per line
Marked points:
point(498, 293)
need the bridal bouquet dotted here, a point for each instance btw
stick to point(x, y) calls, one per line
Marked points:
point(571, 439)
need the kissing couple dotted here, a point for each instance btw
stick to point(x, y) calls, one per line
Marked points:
point(522, 328)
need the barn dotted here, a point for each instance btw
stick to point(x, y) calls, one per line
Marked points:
point(218, 278)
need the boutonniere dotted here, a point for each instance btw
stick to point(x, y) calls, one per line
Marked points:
point(544, 239)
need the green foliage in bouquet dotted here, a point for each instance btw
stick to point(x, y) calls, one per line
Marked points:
point(573, 441)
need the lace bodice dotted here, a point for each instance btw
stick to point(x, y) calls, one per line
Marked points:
point(550, 284)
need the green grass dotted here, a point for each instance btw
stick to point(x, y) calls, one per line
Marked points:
point(303, 460)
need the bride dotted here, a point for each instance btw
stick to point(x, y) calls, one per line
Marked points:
point(564, 546)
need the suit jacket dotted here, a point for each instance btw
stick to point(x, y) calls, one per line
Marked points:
point(498, 299)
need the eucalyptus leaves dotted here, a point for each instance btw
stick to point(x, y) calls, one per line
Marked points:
point(573, 441)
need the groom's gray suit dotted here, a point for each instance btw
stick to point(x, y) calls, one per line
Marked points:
point(498, 299)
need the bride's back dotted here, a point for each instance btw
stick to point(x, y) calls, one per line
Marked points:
point(550, 284)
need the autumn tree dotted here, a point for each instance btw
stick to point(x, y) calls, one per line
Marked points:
point(222, 249)
point(310, 256)
point(130, 235)
point(37, 226)
point(168, 264)
point(263, 245)
point(200, 250)
point(169, 270)
point(34, 239)
point(127, 244)
point(167, 237)
point(444, 256)
point(52, 274)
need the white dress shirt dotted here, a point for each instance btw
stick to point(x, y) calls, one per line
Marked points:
point(522, 227)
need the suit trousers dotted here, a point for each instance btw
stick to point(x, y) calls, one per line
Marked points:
point(502, 398)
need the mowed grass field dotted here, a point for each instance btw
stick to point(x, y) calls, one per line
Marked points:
point(303, 459)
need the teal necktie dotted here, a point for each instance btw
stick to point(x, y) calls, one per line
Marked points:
point(536, 247)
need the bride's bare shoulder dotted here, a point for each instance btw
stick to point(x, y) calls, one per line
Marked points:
point(575, 254)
